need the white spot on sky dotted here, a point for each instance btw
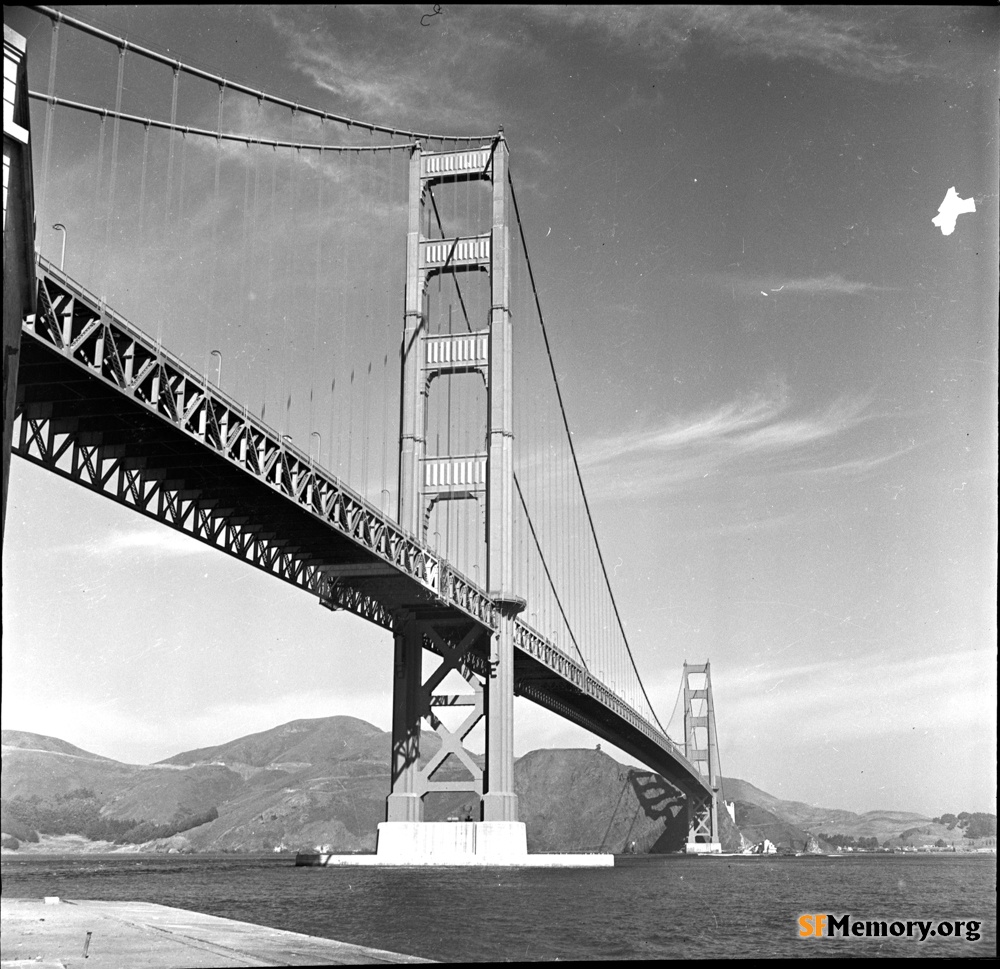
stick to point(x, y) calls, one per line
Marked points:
point(950, 209)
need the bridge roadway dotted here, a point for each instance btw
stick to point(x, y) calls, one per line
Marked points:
point(100, 403)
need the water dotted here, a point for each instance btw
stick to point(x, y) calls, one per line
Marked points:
point(647, 907)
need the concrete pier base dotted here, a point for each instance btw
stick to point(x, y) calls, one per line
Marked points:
point(703, 848)
point(468, 844)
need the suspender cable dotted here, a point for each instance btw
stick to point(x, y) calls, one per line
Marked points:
point(286, 344)
point(342, 314)
point(371, 303)
point(97, 189)
point(142, 204)
point(383, 493)
point(217, 216)
point(255, 309)
point(350, 429)
point(170, 153)
point(81, 25)
point(316, 298)
point(49, 112)
point(142, 190)
point(576, 464)
point(272, 231)
point(180, 185)
point(114, 162)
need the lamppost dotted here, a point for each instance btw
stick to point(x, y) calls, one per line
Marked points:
point(218, 379)
point(319, 446)
point(59, 227)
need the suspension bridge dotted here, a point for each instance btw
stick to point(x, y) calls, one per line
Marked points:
point(438, 492)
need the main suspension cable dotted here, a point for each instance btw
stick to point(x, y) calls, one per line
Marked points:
point(177, 65)
point(206, 132)
point(572, 448)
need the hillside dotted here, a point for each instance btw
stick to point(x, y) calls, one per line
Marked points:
point(295, 745)
point(37, 771)
point(324, 781)
point(36, 741)
point(807, 817)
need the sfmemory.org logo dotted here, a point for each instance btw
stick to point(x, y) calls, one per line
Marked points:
point(826, 926)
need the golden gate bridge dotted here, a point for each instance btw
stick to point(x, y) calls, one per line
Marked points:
point(241, 268)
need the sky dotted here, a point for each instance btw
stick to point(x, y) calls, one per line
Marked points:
point(781, 374)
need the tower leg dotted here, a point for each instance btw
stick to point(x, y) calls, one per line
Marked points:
point(703, 827)
point(404, 802)
point(500, 801)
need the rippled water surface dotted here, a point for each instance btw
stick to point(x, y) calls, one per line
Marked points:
point(644, 908)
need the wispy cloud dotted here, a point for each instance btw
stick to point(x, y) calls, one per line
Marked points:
point(159, 541)
point(840, 40)
point(380, 74)
point(842, 699)
point(766, 435)
point(832, 284)
point(681, 451)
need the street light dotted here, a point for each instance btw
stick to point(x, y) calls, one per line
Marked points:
point(59, 227)
point(218, 379)
point(319, 446)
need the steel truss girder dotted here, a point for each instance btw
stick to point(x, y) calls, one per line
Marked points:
point(98, 468)
point(106, 347)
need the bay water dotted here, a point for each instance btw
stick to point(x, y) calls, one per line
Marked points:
point(646, 907)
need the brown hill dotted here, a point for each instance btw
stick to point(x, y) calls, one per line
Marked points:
point(36, 741)
point(296, 745)
point(160, 794)
point(325, 780)
point(49, 773)
point(878, 824)
point(576, 800)
point(757, 823)
point(308, 782)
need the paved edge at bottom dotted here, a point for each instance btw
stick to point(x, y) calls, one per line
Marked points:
point(143, 935)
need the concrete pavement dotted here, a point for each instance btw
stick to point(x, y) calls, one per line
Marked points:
point(46, 934)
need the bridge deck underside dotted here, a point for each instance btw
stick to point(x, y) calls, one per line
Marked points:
point(252, 520)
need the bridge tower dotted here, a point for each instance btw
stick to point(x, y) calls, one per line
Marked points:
point(18, 231)
point(702, 749)
point(424, 481)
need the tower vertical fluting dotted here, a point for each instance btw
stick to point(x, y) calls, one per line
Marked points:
point(500, 801)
